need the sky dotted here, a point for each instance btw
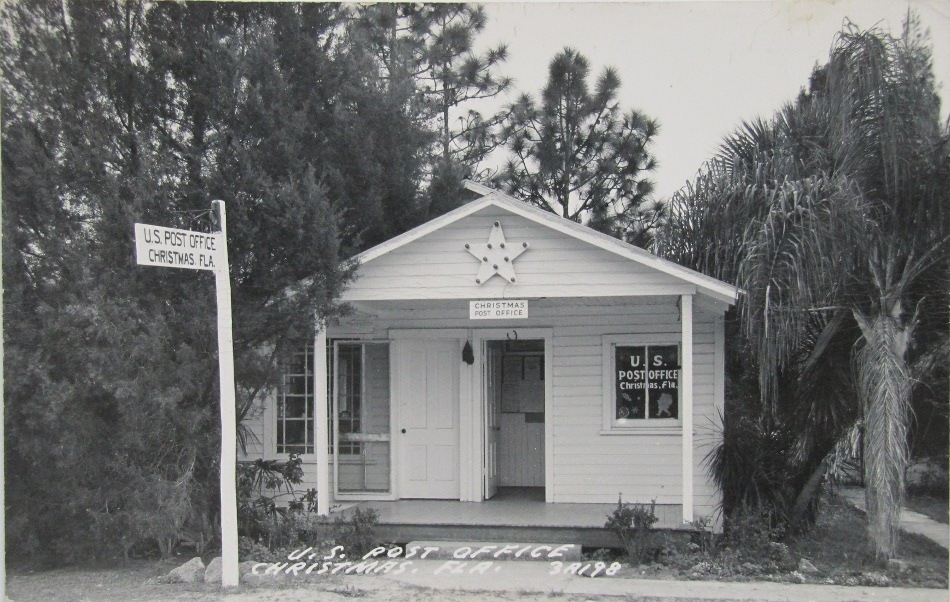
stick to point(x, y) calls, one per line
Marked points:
point(699, 68)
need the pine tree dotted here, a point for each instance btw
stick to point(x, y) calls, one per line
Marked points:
point(577, 155)
point(428, 51)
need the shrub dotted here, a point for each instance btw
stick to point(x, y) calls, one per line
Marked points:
point(248, 549)
point(275, 517)
point(270, 509)
point(928, 476)
point(704, 538)
point(358, 534)
point(633, 524)
point(753, 532)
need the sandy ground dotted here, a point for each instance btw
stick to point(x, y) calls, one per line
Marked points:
point(513, 582)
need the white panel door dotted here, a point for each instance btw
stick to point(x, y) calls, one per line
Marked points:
point(427, 386)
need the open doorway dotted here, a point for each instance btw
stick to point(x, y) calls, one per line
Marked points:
point(514, 399)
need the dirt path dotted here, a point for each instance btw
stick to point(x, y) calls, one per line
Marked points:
point(513, 582)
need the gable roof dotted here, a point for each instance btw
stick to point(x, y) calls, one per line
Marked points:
point(705, 284)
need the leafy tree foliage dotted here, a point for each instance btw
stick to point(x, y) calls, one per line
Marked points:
point(577, 155)
point(833, 217)
point(116, 113)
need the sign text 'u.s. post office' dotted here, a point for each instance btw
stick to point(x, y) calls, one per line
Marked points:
point(173, 248)
point(498, 309)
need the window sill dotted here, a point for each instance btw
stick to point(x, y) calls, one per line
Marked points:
point(352, 459)
point(312, 458)
point(644, 430)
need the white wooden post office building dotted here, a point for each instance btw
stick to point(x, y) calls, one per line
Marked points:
point(502, 352)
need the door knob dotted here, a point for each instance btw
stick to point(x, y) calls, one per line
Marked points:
point(403, 431)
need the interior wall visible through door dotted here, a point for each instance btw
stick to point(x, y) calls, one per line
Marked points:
point(521, 438)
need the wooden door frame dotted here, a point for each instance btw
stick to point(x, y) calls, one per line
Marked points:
point(491, 406)
point(477, 426)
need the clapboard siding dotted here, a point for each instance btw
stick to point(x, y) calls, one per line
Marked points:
point(437, 265)
point(254, 442)
point(591, 467)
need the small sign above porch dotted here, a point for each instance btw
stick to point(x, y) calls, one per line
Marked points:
point(506, 309)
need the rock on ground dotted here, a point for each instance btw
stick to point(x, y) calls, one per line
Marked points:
point(900, 566)
point(246, 567)
point(805, 566)
point(213, 572)
point(190, 572)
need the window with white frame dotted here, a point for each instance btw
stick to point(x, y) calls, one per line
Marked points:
point(358, 391)
point(295, 404)
point(641, 382)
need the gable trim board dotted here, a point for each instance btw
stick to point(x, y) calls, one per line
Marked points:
point(716, 289)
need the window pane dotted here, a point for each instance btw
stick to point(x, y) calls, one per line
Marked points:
point(295, 407)
point(350, 388)
point(294, 432)
point(664, 381)
point(367, 472)
point(375, 399)
point(297, 385)
point(630, 378)
point(298, 363)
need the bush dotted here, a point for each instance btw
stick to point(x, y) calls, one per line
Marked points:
point(274, 518)
point(248, 549)
point(633, 524)
point(358, 534)
point(928, 476)
point(270, 509)
point(704, 539)
point(754, 534)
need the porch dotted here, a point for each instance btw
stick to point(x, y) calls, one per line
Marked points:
point(514, 514)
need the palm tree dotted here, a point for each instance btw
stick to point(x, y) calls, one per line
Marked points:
point(837, 209)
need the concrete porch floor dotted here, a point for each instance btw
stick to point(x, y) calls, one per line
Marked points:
point(514, 514)
point(511, 507)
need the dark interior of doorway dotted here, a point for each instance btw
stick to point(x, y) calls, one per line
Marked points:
point(519, 494)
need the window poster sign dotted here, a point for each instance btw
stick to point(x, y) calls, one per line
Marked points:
point(647, 381)
point(532, 369)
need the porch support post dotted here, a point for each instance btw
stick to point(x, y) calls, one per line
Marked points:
point(686, 403)
point(321, 404)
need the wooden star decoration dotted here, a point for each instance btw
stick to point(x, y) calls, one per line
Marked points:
point(497, 256)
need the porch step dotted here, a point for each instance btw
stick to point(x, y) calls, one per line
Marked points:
point(495, 550)
point(580, 536)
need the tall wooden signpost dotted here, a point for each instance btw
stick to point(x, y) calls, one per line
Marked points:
point(173, 248)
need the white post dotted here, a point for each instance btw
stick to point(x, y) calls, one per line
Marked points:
point(229, 531)
point(686, 402)
point(320, 405)
point(3, 503)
